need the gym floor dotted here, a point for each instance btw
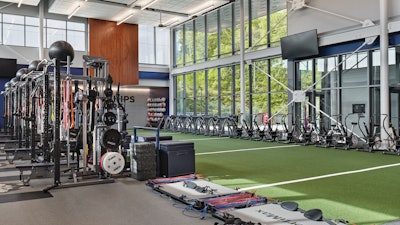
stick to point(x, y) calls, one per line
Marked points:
point(360, 187)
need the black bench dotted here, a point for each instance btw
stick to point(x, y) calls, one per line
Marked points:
point(41, 170)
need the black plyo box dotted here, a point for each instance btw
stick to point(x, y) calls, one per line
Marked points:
point(176, 158)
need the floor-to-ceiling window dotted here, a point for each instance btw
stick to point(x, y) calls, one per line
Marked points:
point(215, 37)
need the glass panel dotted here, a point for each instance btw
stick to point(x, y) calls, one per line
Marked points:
point(226, 31)
point(200, 39)
point(304, 74)
point(212, 35)
point(279, 97)
point(278, 24)
point(32, 21)
point(179, 94)
point(260, 78)
point(226, 106)
point(259, 24)
point(178, 46)
point(76, 39)
point(146, 44)
point(189, 44)
point(75, 26)
point(162, 46)
point(200, 93)
point(32, 36)
point(393, 77)
point(56, 24)
point(54, 35)
point(355, 72)
point(226, 81)
point(213, 91)
point(237, 90)
point(13, 34)
point(189, 80)
point(260, 89)
point(14, 19)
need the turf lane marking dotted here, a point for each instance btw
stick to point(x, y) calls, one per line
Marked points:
point(245, 150)
point(319, 177)
point(203, 139)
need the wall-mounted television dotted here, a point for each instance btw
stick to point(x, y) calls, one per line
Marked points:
point(300, 45)
point(8, 67)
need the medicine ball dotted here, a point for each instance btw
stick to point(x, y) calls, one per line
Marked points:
point(33, 66)
point(13, 81)
point(7, 85)
point(21, 72)
point(60, 50)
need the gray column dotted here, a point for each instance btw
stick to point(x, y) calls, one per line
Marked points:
point(384, 71)
point(242, 64)
point(41, 30)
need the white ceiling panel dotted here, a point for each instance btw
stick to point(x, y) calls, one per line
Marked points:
point(24, 2)
point(116, 10)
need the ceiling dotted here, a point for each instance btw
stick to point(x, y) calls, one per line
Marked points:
point(158, 13)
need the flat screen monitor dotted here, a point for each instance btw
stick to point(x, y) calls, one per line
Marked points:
point(8, 67)
point(300, 45)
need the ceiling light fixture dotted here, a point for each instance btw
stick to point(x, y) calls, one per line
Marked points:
point(19, 3)
point(148, 4)
point(73, 12)
point(202, 10)
point(125, 19)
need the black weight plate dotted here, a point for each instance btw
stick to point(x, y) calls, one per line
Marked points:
point(109, 118)
point(111, 139)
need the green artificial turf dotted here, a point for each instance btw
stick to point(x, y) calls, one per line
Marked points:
point(371, 197)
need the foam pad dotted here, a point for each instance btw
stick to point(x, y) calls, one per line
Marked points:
point(179, 189)
point(291, 206)
point(275, 214)
point(313, 214)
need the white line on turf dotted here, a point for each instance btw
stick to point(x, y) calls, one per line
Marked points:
point(203, 139)
point(245, 150)
point(319, 177)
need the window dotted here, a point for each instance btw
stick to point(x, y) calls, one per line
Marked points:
point(212, 36)
point(76, 35)
point(226, 31)
point(200, 43)
point(178, 46)
point(13, 30)
point(189, 43)
point(162, 46)
point(259, 25)
point(146, 44)
point(13, 34)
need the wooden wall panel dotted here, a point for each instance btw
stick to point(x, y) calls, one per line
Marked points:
point(118, 45)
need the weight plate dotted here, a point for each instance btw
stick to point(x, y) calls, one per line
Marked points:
point(109, 118)
point(109, 104)
point(111, 139)
point(112, 162)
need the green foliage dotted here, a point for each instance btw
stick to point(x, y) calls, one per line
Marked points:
point(260, 92)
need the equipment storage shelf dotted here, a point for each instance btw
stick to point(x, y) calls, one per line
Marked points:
point(156, 108)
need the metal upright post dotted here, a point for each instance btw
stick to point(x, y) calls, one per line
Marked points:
point(57, 144)
point(242, 64)
point(384, 72)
